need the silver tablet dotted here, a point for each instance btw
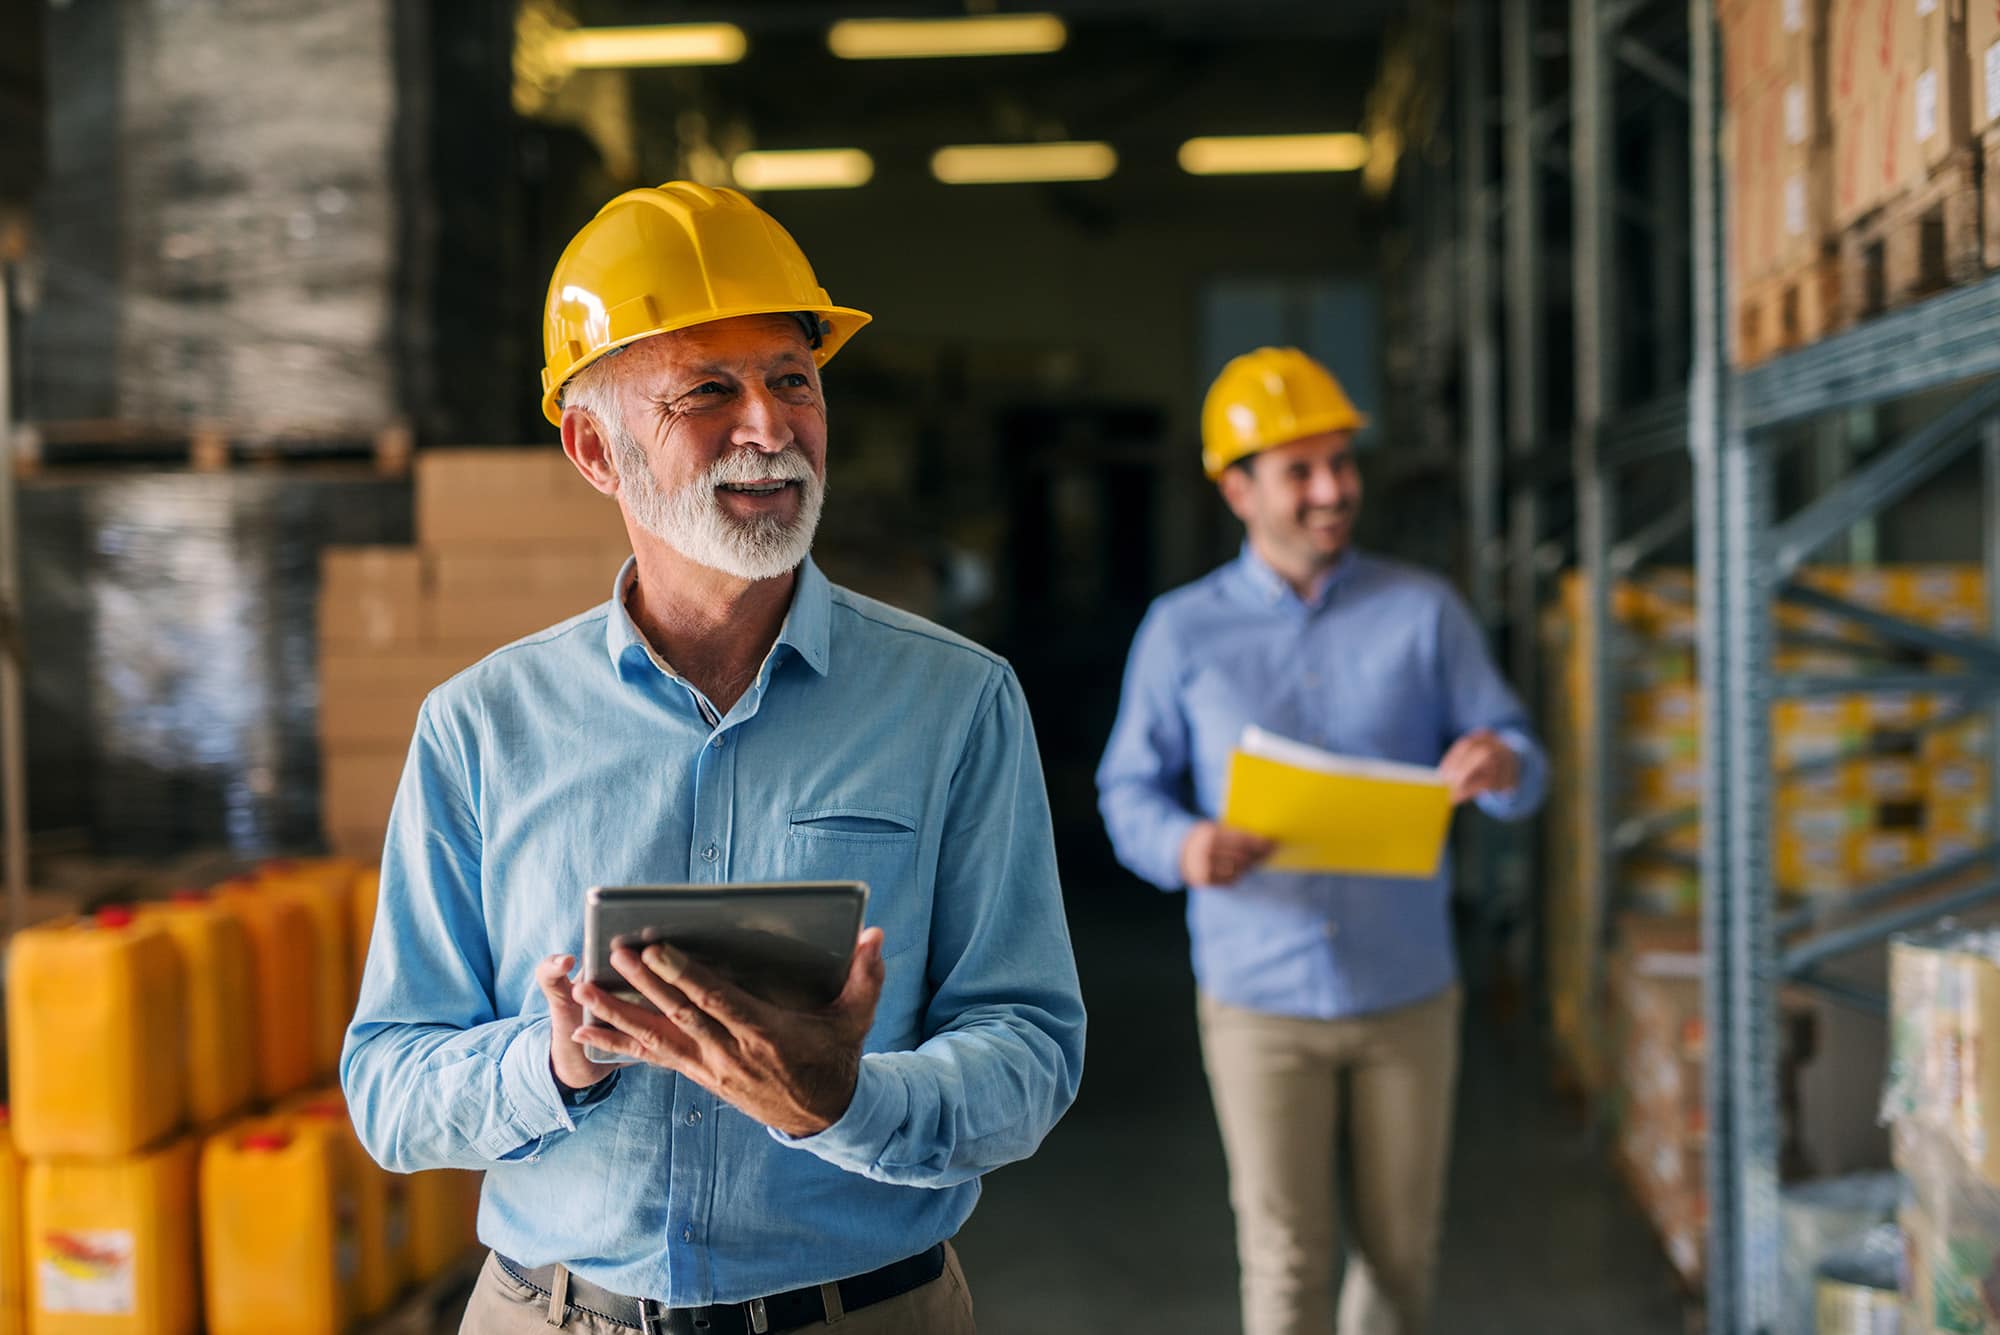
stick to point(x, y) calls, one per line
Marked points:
point(787, 942)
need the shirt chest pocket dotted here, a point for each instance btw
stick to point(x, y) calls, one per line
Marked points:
point(855, 844)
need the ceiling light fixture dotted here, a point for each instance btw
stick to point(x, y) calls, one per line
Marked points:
point(802, 169)
point(1234, 155)
point(914, 39)
point(656, 44)
point(999, 164)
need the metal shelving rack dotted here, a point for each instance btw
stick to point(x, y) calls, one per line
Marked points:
point(1745, 555)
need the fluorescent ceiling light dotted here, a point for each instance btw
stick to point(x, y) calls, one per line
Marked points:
point(982, 35)
point(993, 164)
point(802, 169)
point(657, 44)
point(1227, 155)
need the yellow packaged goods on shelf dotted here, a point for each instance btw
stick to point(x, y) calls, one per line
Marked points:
point(284, 975)
point(443, 1211)
point(13, 1235)
point(217, 970)
point(367, 888)
point(278, 1229)
point(381, 1218)
point(111, 1244)
point(1336, 813)
point(96, 1054)
point(326, 889)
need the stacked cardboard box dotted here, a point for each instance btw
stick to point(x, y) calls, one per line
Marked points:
point(1779, 138)
point(509, 541)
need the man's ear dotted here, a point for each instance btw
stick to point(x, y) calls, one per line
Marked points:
point(1236, 484)
point(589, 450)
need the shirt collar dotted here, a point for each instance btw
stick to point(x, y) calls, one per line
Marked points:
point(1268, 586)
point(807, 628)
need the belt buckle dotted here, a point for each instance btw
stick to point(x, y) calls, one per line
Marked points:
point(759, 1319)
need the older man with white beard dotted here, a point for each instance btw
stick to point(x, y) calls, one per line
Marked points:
point(727, 716)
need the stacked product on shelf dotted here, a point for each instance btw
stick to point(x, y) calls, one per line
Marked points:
point(1854, 137)
point(1942, 1103)
point(165, 1170)
point(509, 541)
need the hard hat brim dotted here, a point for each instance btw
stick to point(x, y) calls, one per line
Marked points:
point(1215, 466)
point(845, 321)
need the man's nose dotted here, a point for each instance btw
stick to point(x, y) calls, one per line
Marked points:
point(763, 426)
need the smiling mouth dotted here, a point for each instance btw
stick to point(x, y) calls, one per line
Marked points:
point(756, 488)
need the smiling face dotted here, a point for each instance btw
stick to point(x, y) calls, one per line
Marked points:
point(1298, 502)
point(718, 434)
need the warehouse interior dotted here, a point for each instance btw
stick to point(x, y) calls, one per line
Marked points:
point(1678, 329)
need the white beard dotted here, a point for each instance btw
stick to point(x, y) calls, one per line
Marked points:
point(691, 520)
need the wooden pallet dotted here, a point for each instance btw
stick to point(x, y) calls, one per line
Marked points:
point(203, 448)
point(1989, 193)
point(1789, 311)
point(1926, 239)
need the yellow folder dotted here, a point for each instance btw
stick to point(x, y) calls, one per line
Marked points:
point(1332, 813)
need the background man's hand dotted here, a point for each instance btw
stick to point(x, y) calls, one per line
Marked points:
point(1215, 855)
point(566, 1057)
point(792, 1070)
point(1477, 763)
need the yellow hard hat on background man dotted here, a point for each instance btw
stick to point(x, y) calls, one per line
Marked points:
point(659, 259)
point(1272, 396)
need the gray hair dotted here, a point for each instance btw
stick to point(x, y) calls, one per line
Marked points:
point(599, 389)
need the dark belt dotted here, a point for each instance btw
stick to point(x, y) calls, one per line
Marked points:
point(774, 1313)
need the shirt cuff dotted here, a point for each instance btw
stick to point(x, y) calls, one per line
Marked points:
point(880, 1106)
point(533, 1108)
point(1522, 799)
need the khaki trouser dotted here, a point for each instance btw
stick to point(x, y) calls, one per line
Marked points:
point(1277, 1084)
point(502, 1305)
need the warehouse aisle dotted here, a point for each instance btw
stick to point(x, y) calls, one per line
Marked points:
point(1122, 1221)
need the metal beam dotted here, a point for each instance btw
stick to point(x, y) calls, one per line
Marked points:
point(13, 717)
point(1847, 994)
point(1480, 407)
point(1822, 907)
point(1522, 296)
point(1979, 651)
point(1943, 340)
point(1632, 551)
point(1658, 428)
point(1821, 948)
point(1654, 66)
point(1886, 479)
point(1804, 686)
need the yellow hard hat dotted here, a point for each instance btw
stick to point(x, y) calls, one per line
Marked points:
point(656, 260)
point(1272, 396)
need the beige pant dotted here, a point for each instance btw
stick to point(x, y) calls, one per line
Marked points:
point(1277, 1084)
point(502, 1305)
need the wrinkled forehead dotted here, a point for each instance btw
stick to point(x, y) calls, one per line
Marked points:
point(744, 342)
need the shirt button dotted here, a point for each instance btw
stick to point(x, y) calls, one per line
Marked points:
point(1332, 930)
point(717, 743)
point(1311, 680)
point(687, 1235)
point(694, 1115)
point(708, 854)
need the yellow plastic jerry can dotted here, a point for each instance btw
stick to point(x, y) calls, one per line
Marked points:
point(218, 970)
point(111, 1244)
point(326, 891)
point(381, 1219)
point(444, 1214)
point(367, 889)
point(13, 1235)
point(279, 1221)
point(96, 1056)
point(284, 973)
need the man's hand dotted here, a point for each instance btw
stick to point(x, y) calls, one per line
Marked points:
point(1477, 763)
point(566, 1057)
point(792, 1070)
point(1215, 855)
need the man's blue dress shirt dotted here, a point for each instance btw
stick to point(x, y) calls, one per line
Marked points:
point(1384, 661)
point(872, 746)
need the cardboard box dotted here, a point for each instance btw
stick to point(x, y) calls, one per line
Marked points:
point(1940, 77)
point(1982, 54)
point(357, 787)
point(1854, 99)
point(509, 496)
point(1755, 142)
point(584, 570)
point(370, 597)
point(370, 700)
point(475, 626)
point(1752, 44)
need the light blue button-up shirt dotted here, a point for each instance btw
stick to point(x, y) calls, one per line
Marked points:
point(1384, 661)
point(872, 746)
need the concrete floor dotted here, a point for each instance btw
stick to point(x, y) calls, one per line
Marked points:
point(1122, 1223)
